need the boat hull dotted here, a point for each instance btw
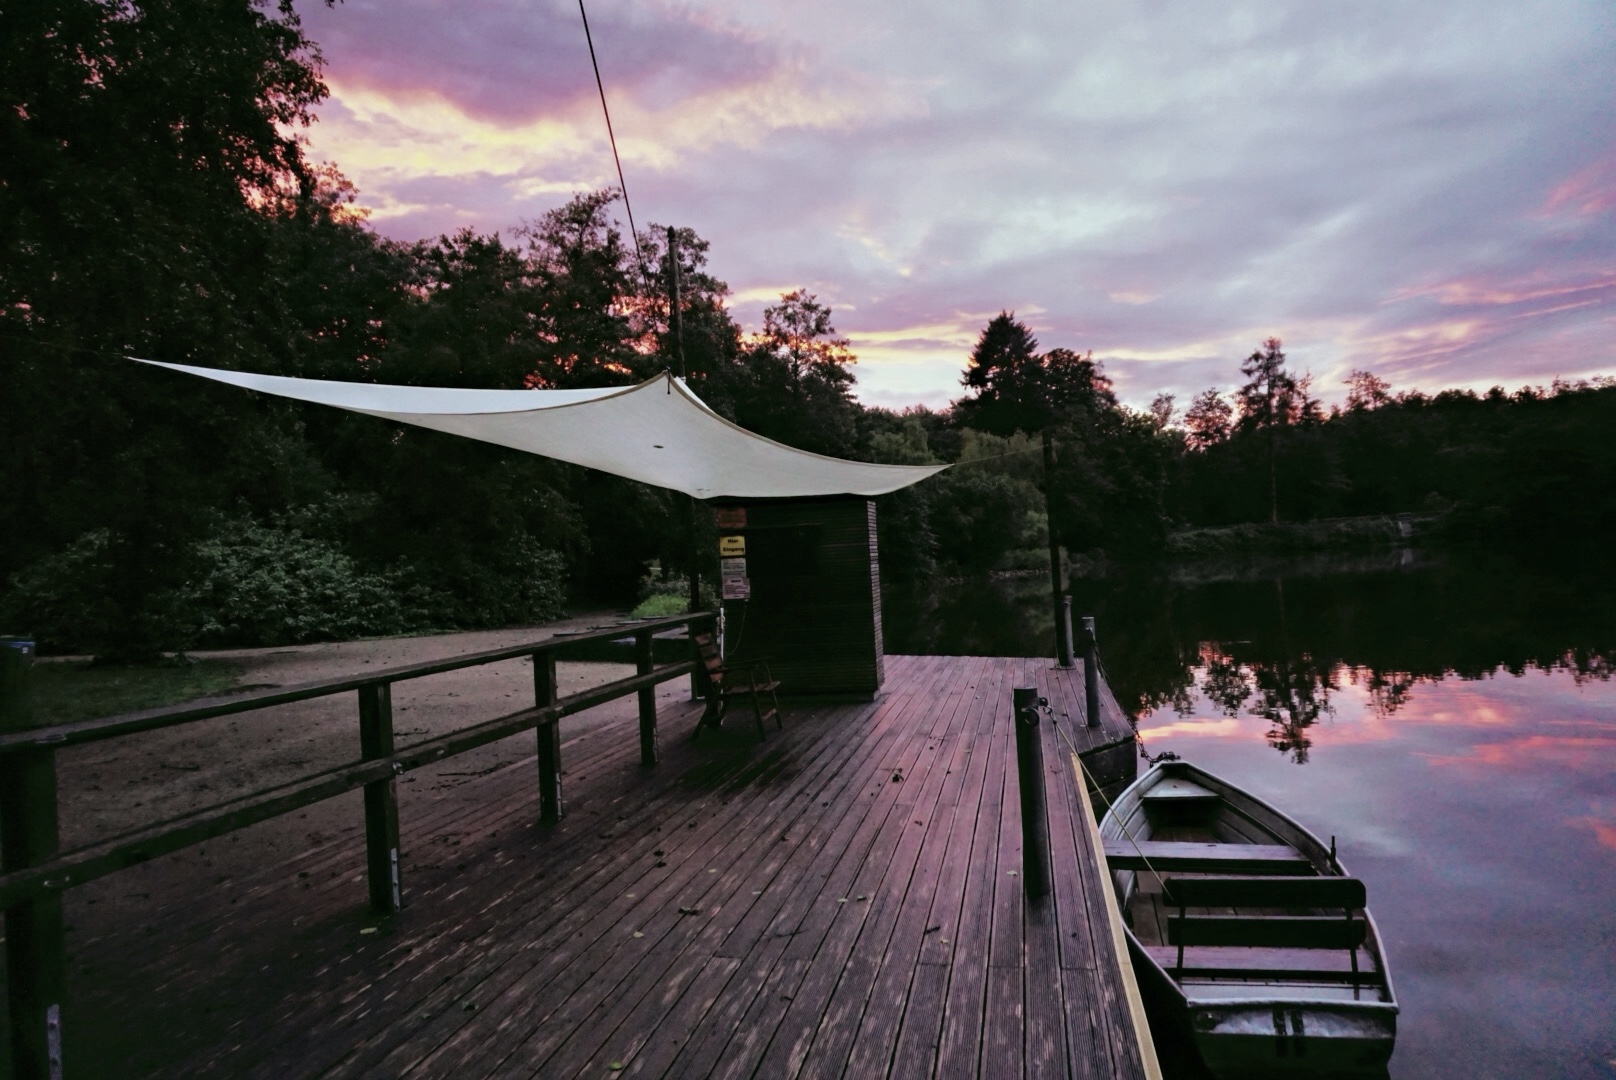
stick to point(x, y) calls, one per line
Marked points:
point(1242, 1030)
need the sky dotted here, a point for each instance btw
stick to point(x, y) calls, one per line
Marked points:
point(1423, 190)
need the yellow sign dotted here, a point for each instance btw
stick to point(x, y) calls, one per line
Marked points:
point(731, 546)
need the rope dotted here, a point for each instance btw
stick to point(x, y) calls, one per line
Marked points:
point(621, 183)
point(1110, 809)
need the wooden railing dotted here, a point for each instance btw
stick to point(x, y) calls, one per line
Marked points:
point(34, 873)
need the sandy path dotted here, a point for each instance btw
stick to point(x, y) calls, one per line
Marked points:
point(110, 787)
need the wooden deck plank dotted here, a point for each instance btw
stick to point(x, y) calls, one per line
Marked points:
point(800, 887)
point(960, 1048)
point(516, 954)
point(894, 978)
point(905, 888)
point(564, 975)
point(854, 898)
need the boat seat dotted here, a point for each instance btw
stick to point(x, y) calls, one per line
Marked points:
point(1176, 789)
point(1296, 965)
point(1173, 855)
point(1265, 892)
point(1279, 931)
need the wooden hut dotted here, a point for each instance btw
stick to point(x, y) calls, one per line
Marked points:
point(801, 589)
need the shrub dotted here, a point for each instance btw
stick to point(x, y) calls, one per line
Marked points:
point(65, 600)
point(262, 585)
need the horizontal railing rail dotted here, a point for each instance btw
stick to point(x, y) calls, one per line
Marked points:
point(110, 727)
point(34, 873)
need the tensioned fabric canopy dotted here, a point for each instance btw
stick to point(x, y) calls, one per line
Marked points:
point(657, 433)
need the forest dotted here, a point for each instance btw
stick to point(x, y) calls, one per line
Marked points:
point(156, 202)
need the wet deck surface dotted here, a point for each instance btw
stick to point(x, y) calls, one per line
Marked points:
point(841, 900)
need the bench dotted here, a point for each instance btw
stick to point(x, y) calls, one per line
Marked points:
point(1292, 965)
point(1185, 857)
point(1267, 932)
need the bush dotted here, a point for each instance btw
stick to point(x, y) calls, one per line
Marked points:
point(65, 600)
point(518, 583)
point(260, 585)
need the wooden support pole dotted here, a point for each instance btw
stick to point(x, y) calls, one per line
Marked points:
point(36, 953)
point(1030, 775)
point(1066, 632)
point(649, 752)
point(1091, 673)
point(551, 808)
point(381, 800)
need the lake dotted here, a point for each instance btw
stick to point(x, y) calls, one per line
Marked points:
point(1449, 719)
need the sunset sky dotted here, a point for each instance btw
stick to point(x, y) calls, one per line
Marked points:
point(1424, 190)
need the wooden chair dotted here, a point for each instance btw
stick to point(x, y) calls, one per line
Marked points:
point(727, 681)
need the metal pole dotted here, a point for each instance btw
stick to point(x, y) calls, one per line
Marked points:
point(676, 327)
point(36, 950)
point(1063, 630)
point(1091, 673)
point(1034, 813)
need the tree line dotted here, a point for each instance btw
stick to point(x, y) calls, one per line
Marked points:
point(156, 201)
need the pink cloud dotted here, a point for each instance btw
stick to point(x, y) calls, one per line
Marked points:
point(1480, 290)
point(1584, 754)
point(1604, 831)
point(1587, 192)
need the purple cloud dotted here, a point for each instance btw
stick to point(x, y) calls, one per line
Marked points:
point(1409, 188)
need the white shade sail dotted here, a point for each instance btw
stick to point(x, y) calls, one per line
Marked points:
point(658, 433)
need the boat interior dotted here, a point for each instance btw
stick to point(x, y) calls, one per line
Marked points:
point(1230, 910)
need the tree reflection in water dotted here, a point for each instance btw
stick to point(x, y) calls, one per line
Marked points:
point(1278, 639)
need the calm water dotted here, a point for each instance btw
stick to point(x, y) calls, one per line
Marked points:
point(1452, 722)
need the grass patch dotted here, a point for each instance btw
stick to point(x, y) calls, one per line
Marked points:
point(658, 605)
point(69, 690)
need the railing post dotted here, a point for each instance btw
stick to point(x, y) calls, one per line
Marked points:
point(649, 754)
point(1030, 773)
point(381, 800)
point(544, 693)
point(1091, 673)
point(36, 953)
point(1066, 635)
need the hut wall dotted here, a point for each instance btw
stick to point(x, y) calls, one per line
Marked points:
point(815, 606)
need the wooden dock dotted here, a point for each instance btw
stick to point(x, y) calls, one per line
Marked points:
point(841, 900)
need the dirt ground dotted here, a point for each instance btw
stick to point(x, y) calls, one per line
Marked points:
point(111, 787)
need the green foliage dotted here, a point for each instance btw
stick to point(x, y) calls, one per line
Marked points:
point(258, 585)
point(979, 516)
point(68, 690)
point(65, 599)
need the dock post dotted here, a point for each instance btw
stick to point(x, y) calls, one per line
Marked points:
point(381, 800)
point(1091, 673)
point(1066, 634)
point(36, 953)
point(1030, 774)
point(551, 806)
point(649, 754)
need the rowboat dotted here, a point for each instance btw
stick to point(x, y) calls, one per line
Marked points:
point(1247, 931)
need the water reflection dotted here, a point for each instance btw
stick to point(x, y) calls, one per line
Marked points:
point(1452, 722)
point(1278, 637)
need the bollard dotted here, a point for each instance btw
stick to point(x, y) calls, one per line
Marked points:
point(1030, 773)
point(36, 951)
point(1066, 635)
point(381, 800)
point(1091, 673)
point(551, 806)
point(650, 753)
